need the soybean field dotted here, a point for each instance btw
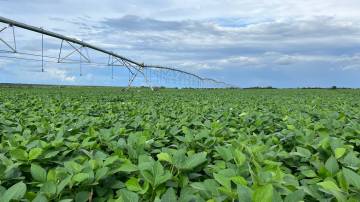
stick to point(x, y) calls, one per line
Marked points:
point(190, 145)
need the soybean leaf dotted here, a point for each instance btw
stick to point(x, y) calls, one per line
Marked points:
point(40, 197)
point(223, 180)
point(128, 196)
point(101, 173)
point(38, 173)
point(133, 185)
point(263, 193)
point(35, 153)
point(128, 167)
point(332, 165)
point(308, 173)
point(244, 193)
point(295, 196)
point(224, 152)
point(169, 196)
point(164, 157)
point(19, 154)
point(351, 177)
point(155, 173)
point(339, 152)
point(82, 196)
point(15, 192)
point(239, 157)
point(63, 184)
point(49, 188)
point(331, 188)
point(80, 177)
point(66, 200)
point(195, 160)
point(303, 152)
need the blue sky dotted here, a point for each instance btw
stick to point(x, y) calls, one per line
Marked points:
point(246, 43)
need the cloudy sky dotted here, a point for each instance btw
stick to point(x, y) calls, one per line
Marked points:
point(280, 43)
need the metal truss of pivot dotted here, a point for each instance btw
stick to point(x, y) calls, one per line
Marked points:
point(133, 69)
point(78, 47)
point(75, 49)
point(11, 47)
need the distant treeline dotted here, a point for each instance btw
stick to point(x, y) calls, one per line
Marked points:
point(332, 87)
point(154, 87)
point(260, 87)
point(20, 85)
point(270, 87)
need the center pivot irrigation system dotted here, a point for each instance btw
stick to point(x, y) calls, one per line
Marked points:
point(153, 75)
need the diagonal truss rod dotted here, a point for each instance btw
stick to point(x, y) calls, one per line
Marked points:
point(8, 45)
point(134, 68)
point(65, 38)
point(14, 39)
point(138, 70)
point(78, 50)
point(2, 29)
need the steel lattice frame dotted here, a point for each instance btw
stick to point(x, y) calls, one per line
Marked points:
point(134, 68)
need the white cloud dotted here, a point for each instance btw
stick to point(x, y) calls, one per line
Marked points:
point(240, 60)
point(222, 36)
point(182, 9)
point(4, 63)
point(351, 67)
point(59, 74)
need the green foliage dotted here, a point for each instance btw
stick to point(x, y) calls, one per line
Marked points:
point(15, 192)
point(105, 144)
point(38, 173)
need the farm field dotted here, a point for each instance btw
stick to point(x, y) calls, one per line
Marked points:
point(109, 144)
